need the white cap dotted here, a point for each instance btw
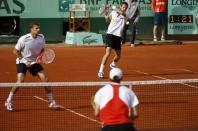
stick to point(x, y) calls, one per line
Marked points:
point(115, 72)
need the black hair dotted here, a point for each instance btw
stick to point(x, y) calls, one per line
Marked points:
point(124, 3)
point(32, 24)
point(116, 79)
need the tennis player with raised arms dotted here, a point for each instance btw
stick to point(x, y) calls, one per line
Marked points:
point(29, 50)
point(114, 37)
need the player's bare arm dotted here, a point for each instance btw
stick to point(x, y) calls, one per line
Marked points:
point(38, 59)
point(97, 110)
point(17, 53)
point(108, 19)
point(133, 113)
point(42, 50)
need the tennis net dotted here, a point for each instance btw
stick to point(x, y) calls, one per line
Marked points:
point(169, 105)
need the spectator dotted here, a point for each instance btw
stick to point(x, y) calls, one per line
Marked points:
point(133, 15)
point(159, 7)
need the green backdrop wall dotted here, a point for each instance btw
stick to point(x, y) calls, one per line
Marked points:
point(53, 15)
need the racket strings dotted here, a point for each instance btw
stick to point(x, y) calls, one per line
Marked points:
point(48, 56)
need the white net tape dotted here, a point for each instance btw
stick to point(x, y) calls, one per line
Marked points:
point(129, 83)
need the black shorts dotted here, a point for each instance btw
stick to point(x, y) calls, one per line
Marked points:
point(119, 127)
point(34, 69)
point(113, 41)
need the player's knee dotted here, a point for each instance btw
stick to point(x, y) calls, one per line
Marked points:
point(45, 79)
point(20, 79)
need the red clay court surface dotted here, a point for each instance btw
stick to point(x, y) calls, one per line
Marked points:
point(165, 108)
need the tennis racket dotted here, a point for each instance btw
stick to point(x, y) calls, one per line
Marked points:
point(92, 102)
point(46, 57)
point(104, 9)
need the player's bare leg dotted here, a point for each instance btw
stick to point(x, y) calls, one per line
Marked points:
point(155, 33)
point(8, 103)
point(115, 59)
point(163, 33)
point(52, 104)
point(104, 61)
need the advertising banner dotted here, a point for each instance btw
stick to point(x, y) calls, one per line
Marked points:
point(60, 8)
point(182, 17)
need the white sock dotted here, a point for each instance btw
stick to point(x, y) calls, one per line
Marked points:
point(50, 97)
point(10, 97)
point(101, 68)
point(162, 36)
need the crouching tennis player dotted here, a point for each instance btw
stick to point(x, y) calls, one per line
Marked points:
point(115, 104)
point(27, 49)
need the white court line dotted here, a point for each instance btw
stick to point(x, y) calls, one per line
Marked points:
point(71, 111)
point(189, 71)
point(163, 78)
point(140, 72)
point(183, 69)
point(171, 93)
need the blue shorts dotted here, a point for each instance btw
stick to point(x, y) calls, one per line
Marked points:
point(34, 69)
point(160, 18)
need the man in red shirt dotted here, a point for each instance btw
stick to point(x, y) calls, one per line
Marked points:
point(159, 7)
point(115, 104)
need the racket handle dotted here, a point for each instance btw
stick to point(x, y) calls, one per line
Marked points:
point(38, 59)
point(92, 102)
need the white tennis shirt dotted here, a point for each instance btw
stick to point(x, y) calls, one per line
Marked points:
point(105, 94)
point(116, 25)
point(30, 47)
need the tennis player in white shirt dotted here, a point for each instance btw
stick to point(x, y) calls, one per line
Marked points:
point(114, 37)
point(27, 49)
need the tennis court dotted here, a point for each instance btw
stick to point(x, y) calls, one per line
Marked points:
point(164, 107)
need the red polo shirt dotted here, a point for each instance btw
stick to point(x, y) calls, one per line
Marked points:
point(159, 5)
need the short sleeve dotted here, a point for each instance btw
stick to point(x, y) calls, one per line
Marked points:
point(133, 99)
point(20, 44)
point(43, 38)
point(113, 15)
point(97, 98)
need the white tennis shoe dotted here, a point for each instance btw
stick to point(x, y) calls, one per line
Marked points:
point(132, 44)
point(100, 75)
point(8, 106)
point(162, 38)
point(155, 39)
point(112, 66)
point(54, 106)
